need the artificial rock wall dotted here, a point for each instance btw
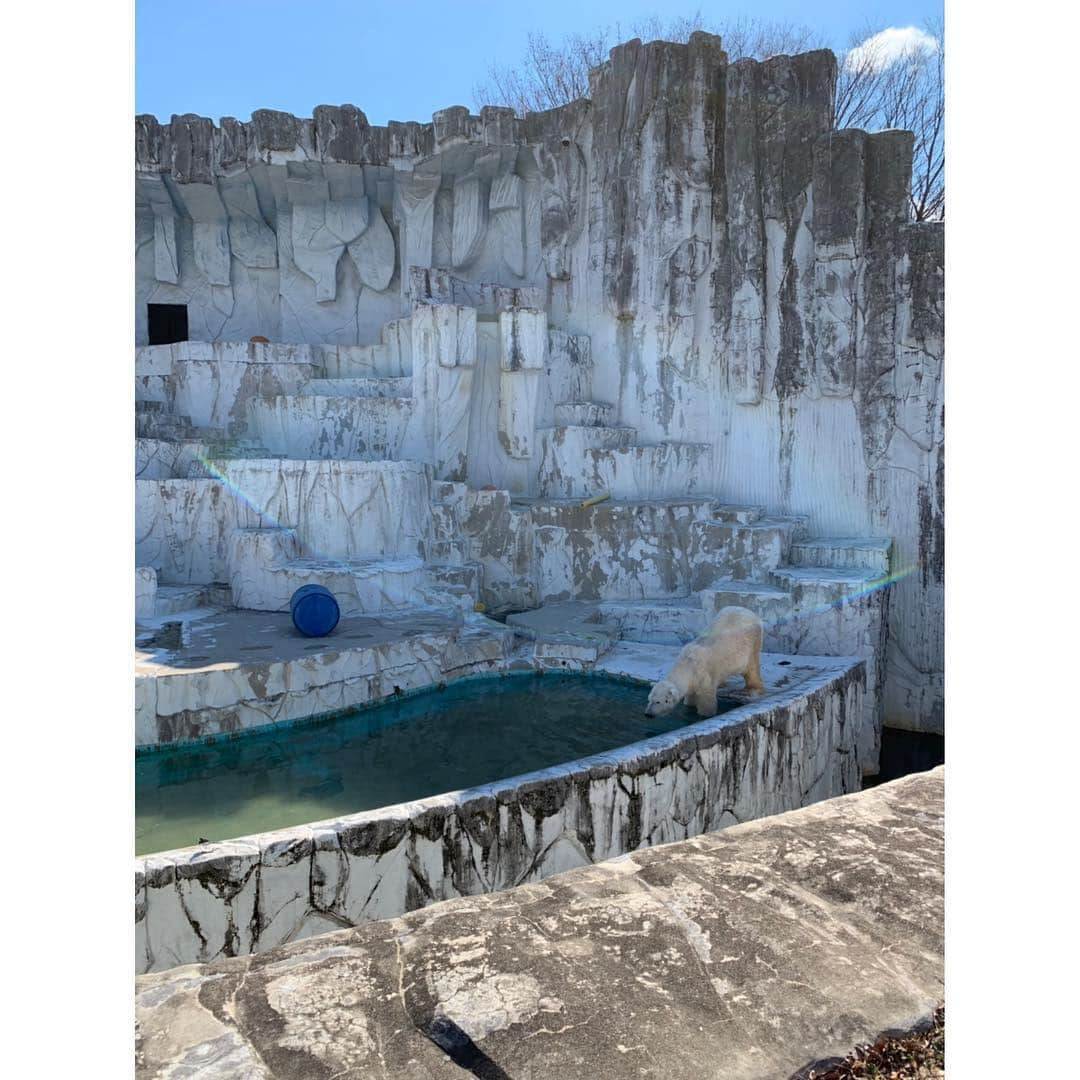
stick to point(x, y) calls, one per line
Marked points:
point(746, 276)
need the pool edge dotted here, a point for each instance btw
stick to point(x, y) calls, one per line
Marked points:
point(247, 894)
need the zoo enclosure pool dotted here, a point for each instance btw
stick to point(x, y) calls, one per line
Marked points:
point(791, 747)
point(470, 733)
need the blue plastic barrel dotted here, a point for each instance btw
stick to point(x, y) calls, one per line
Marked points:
point(315, 612)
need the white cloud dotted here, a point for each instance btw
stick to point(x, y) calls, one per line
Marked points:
point(891, 44)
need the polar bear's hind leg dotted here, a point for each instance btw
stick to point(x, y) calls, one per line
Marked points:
point(752, 674)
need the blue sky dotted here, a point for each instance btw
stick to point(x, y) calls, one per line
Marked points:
point(396, 61)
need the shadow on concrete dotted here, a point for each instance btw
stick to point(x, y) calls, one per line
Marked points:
point(464, 1053)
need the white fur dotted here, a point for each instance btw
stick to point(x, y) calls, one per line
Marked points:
point(730, 646)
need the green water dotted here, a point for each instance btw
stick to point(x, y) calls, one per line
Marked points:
point(468, 734)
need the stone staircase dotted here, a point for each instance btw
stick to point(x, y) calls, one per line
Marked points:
point(842, 553)
point(742, 545)
point(358, 404)
point(155, 602)
point(257, 468)
point(339, 426)
point(267, 565)
point(391, 357)
point(751, 568)
point(584, 455)
point(658, 571)
point(154, 421)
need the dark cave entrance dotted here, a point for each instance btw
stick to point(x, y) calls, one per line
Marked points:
point(166, 323)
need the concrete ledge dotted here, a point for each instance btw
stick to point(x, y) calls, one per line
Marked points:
point(236, 670)
point(791, 747)
point(749, 953)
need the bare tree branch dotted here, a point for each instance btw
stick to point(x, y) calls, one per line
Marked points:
point(879, 87)
point(552, 75)
point(879, 84)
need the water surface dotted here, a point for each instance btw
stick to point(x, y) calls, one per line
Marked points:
point(468, 734)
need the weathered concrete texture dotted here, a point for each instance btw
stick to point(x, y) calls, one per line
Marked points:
point(233, 670)
point(736, 306)
point(215, 502)
point(748, 953)
point(791, 747)
point(337, 509)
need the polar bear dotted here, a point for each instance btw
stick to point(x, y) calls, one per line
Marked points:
point(730, 646)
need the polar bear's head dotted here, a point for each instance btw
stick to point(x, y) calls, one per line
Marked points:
point(663, 697)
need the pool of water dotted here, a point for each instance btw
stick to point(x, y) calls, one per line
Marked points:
point(468, 734)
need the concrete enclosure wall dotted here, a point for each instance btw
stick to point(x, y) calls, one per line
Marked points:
point(791, 749)
point(766, 950)
point(730, 277)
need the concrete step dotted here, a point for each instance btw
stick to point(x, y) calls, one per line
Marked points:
point(452, 552)
point(155, 603)
point(660, 471)
point(252, 554)
point(825, 581)
point(360, 586)
point(618, 549)
point(166, 459)
point(667, 620)
point(214, 383)
point(236, 449)
point(267, 567)
point(838, 612)
point(583, 414)
point(446, 598)
point(181, 449)
point(826, 597)
point(770, 603)
point(154, 421)
point(381, 361)
point(565, 635)
point(174, 599)
point(746, 552)
point(734, 514)
point(796, 523)
point(311, 426)
point(575, 438)
point(664, 621)
point(563, 451)
point(160, 358)
point(465, 575)
point(843, 552)
point(569, 512)
point(400, 387)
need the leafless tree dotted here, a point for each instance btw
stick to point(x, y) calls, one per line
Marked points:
point(742, 36)
point(550, 75)
point(898, 82)
point(886, 79)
